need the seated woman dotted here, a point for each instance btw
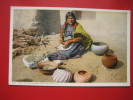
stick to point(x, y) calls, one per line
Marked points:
point(72, 34)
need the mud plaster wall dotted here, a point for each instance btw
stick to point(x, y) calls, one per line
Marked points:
point(47, 21)
point(108, 27)
point(23, 18)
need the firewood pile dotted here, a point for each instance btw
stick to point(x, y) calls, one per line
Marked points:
point(24, 41)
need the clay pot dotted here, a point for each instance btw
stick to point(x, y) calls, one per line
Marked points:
point(109, 60)
point(82, 76)
point(31, 61)
point(62, 75)
point(99, 48)
point(47, 67)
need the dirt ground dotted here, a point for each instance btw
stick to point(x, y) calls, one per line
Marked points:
point(89, 62)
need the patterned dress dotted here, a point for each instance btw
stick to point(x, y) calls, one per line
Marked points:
point(74, 52)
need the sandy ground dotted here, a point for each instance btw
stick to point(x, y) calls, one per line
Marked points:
point(89, 62)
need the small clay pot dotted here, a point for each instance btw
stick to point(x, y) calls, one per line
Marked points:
point(109, 60)
point(82, 76)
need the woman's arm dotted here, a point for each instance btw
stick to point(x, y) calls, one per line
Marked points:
point(61, 38)
point(61, 35)
point(77, 38)
point(71, 41)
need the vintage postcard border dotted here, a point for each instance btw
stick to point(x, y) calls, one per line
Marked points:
point(68, 84)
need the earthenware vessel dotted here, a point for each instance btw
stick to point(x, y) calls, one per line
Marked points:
point(47, 67)
point(31, 61)
point(99, 48)
point(109, 60)
point(62, 75)
point(82, 76)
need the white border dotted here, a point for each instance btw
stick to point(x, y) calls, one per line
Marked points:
point(10, 82)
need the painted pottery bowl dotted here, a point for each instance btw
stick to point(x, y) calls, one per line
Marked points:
point(109, 60)
point(82, 76)
point(62, 75)
point(99, 48)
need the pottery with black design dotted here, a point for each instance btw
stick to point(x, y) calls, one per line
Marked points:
point(62, 75)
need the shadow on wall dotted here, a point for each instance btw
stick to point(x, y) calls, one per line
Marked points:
point(85, 15)
point(47, 21)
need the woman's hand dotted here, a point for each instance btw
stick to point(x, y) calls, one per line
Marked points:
point(68, 42)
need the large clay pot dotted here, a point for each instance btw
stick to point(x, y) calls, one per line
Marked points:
point(62, 75)
point(109, 60)
point(82, 76)
point(99, 48)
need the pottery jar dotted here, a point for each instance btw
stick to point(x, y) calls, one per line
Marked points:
point(99, 48)
point(62, 75)
point(82, 76)
point(109, 60)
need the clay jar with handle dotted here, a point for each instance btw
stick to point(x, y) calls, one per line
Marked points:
point(82, 76)
point(109, 60)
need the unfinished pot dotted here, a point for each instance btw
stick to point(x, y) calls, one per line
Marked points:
point(109, 60)
point(62, 75)
point(99, 48)
point(82, 76)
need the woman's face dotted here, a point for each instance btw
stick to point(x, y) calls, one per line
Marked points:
point(70, 20)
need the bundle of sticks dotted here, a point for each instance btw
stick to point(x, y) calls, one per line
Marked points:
point(25, 40)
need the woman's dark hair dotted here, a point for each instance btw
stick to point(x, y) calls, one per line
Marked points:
point(71, 14)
